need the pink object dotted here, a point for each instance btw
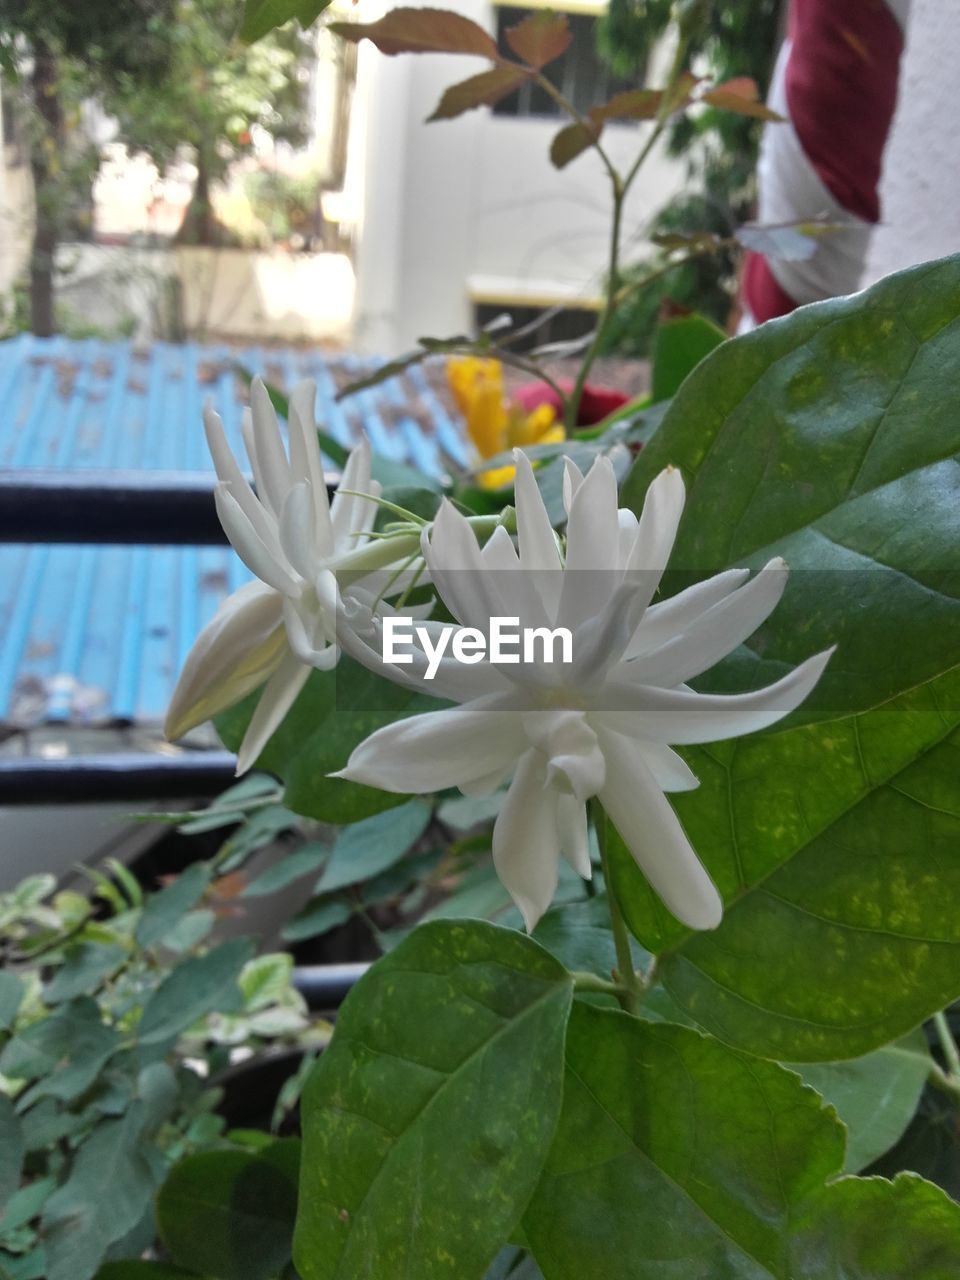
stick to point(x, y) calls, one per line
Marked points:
point(596, 403)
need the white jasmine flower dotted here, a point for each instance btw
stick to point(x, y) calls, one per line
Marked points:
point(601, 725)
point(297, 542)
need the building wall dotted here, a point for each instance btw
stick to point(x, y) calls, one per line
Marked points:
point(473, 201)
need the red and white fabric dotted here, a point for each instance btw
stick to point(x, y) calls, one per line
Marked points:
point(836, 83)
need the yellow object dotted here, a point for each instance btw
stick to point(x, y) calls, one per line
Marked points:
point(494, 424)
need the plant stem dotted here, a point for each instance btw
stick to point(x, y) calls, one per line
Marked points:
point(629, 989)
point(951, 1054)
point(578, 118)
point(592, 982)
point(609, 306)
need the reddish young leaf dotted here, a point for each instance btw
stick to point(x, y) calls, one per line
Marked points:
point(421, 31)
point(540, 38)
point(571, 142)
point(740, 96)
point(634, 104)
point(479, 91)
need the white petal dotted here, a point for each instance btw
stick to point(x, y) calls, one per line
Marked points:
point(535, 536)
point(590, 573)
point(670, 617)
point(629, 526)
point(457, 569)
point(249, 546)
point(298, 530)
point(238, 649)
point(573, 834)
point(656, 532)
point(271, 467)
point(574, 760)
point(515, 591)
point(352, 514)
point(684, 716)
point(525, 840)
point(230, 474)
point(652, 832)
point(305, 461)
point(572, 480)
point(279, 695)
point(439, 749)
point(715, 633)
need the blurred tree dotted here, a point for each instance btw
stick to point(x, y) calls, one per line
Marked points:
point(734, 38)
point(59, 52)
point(215, 94)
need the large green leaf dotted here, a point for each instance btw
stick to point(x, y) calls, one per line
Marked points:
point(261, 16)
point(680, 343)
point(831, 437)
point(230, 1214)
point(64, 1053)
point(875, 1096)
point(427, 1119)
point(676, 1156)
point(335, 712)
point(835, 847)
point(194, 988)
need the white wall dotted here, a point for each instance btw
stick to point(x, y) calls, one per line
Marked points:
point(920, 206)
point(473, 198)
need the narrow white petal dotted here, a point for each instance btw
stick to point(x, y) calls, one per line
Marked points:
point(229, 473)
point(305, 461)
point(250, 546)
point(516, 592)
point(652, 832)
point(298, 530)
point(349, 513)
point(271, 466)
point(572, 480)
point(279, 695)
point(590, 568)
point(498, 552)
point(714, 634)
point(629, 526)
point(458, 571)
point(670, 617)
point(535, 536)
point(525, 840)
point(439, 749)
point(573, 834)
point(239, 648)
point(684, 716)
point(569, 745)
point(656, 532)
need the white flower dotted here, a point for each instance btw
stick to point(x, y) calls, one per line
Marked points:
point(297, 543)
point(599, 726)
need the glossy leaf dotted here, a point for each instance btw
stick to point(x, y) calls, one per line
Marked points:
point(830, 437)
point(679, 345)
point(165, 909)
point(834, 846)
point(875, 1096)
point(63, 1053)
point(674, 1155)
point(427, 1119)
point(540, 38)
point(421, 31)
point(140, 1269)
point(261, 16)
point(369, 847)
point(484, 90)
point(231, 1213)
point(677, 1156)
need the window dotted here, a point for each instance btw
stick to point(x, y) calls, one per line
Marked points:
point(580, 75)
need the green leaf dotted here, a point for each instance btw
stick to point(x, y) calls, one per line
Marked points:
point(421, 31)
point(109, 1187)
point(484, 90)
point(11, 994)
point(198, 986)
point(64, 1052)
point(334, 713)
point(679, 345)
point(369, 847)
point(319, 916)
point(288, 869)
point(427, 1119)
point(872, 1229)
point(677, 1156)
point(231, 1213)
point(139, 1269)
point(834, 847)
point(86, 966)
point(579, 935)
point(11, 1153)
point(261, 16)
point(164, 910)
point(875, 1096)
point(265, 979)
point(18, 1209)
point(540, 38)
point(830, 437)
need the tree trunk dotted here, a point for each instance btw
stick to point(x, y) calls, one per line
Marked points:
point(43, 153)
point(200, 226)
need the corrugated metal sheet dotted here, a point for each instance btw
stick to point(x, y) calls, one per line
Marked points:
point(97, 634)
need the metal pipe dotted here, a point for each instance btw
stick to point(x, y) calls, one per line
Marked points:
point(326, 986)
point(115, 776)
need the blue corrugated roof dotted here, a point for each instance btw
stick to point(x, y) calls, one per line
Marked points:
point(97, 634)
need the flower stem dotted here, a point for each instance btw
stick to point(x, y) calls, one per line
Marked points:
point(629, 988)
point(951, 1055)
